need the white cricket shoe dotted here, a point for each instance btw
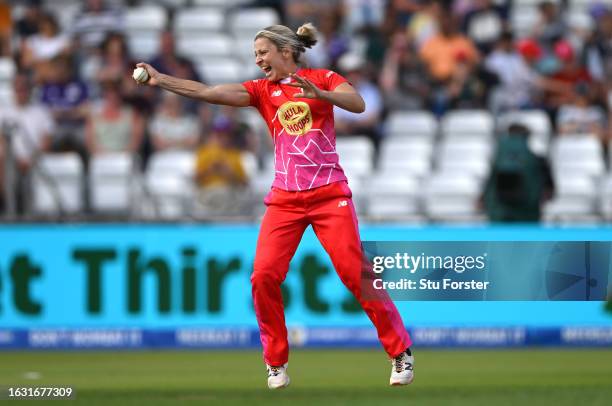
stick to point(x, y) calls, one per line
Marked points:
point(277, 377)
point(402, 372)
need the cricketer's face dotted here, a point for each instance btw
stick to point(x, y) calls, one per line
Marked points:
point(272, 61)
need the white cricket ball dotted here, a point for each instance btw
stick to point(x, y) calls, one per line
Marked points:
point(140, 75)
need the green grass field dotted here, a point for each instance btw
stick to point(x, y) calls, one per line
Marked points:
point(320, 377)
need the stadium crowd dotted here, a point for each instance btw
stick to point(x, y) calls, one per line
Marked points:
point(71, 87)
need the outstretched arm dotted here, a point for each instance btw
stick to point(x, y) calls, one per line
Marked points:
point(228, 94)
point(344, 96)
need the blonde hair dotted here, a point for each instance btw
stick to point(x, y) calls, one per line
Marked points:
point(284, 37)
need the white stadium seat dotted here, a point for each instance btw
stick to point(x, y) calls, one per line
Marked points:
point(410, 156)
point(194, 21)
point(356, 155)
point(57, 184)
point(354, 147)
point(450, 196)
point(145, 18)
point(393, 195)
point(170, 183)
point(221, 70)
point(470, 156)
point(144, 45)
point(578, 154)
point(575, 199)
point(247, 21)
point(411, 124)
point(204, 46)
point(111, 182)
point(468, 123)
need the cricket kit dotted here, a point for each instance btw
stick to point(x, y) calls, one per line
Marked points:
point(309, 188)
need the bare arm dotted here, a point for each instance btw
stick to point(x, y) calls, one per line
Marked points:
point(228, 94)
point(344, 96)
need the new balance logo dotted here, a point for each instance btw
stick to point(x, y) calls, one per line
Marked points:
point(276, 93)
point(342, 203)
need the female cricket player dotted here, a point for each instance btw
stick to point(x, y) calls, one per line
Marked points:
point(309, 187)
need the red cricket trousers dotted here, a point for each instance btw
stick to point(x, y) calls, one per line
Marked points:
point(330, 211)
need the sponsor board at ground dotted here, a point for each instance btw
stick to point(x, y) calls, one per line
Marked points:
point(302, 337)
point(597, 336)
point(213, 337)
point(98, 338)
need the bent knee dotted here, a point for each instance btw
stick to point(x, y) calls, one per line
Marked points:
point(259, 278)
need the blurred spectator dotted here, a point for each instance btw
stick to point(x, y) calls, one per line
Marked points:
point(27, 25)
point(115, 62)
point(424, 23)
point(113, 126)
point(220, 175)
point(375, 45)
point(366, 123)
point(443, 52)
point(519, 181)
point(550, 27)
point(94, 22)
point(332, 43)
point(31, 125)
point(243, 136)
point(521, 86)
point(168, 61)
point(518, 81)
point(401, 78)
point(598, 49)
point(171, 127)
point(298, 11)
point(47, 44)
point(359, 14)
point(399, 13)
point(67, 97)
point(572, 72)
point(485, 23)
point(580, 117)
point(6, 26)
point(468, 88)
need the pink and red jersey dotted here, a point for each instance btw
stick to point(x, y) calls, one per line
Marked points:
point(302, 129)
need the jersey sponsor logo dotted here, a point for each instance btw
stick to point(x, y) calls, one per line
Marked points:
point(276, 93)
point(342, 203)
point(295, 117)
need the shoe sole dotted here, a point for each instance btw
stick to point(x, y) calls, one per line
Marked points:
point(398, 383)
point(282, 386)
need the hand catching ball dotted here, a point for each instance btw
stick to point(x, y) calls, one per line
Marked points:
point(140, 75)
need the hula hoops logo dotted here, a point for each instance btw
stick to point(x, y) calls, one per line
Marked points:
point(295, 117)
